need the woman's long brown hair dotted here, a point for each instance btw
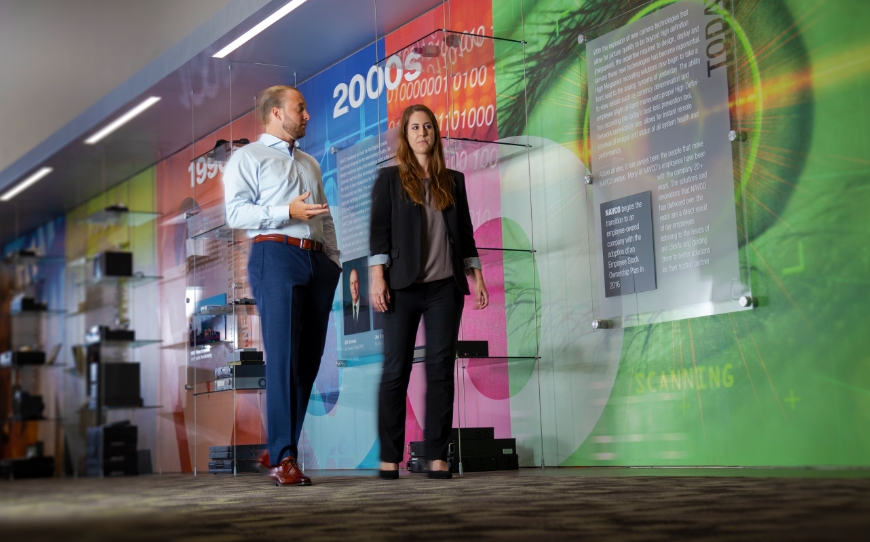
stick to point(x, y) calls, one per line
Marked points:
point(441, 181)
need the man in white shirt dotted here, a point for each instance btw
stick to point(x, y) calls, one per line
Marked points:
point(275, 192)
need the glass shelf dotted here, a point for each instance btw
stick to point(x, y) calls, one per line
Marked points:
point(480, 361)
point(221, 152)
point(467, 154)
point(119, 217)
point(122, 344)
point(239, 309)
point(21, 259)
point(440, 45)
point(211, 392)
point(135, 280)
point(37, 313)
point(526, 250)
point(38, 365)
point(217, 232)
point(145, 407)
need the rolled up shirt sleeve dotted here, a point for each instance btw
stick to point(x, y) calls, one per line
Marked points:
point(473, 263)
point(240, 193)
point(379, 259)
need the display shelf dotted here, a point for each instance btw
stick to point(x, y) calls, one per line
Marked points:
point(119, 216)
point(54, 420)
point(38, 366)
point(220, 231)
point(122, 344)
point(16, 259)
point(462, 49)
point(221, 151)
point(104, 407)
point(32, 314)
point(212, 392)
point(469, 154)
point(135, 281)
point(239, 309)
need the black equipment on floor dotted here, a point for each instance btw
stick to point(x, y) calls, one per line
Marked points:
point(246, 458)
point(477, 450)
point(112, 450)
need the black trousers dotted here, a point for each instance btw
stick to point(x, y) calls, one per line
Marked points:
point(440, 304)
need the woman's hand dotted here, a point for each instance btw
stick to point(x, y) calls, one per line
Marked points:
point(481, 296)
point(379, 292)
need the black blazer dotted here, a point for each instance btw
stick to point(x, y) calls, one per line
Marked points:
point(395, 229)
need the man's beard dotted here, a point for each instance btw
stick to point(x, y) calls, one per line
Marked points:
point(296, 131)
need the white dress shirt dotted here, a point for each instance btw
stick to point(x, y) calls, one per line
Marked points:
point(262, 179)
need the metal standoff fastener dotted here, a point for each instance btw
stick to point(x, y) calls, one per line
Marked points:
point(746, 301)
point(334, 150)
point(600, 324)
point(588, 178)
point(734, 135)
point(188, 387)
point(581, 39)
point(341, 363)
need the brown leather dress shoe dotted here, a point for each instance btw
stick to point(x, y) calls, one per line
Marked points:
point(288, 473)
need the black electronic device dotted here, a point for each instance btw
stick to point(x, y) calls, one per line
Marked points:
point(114, 384)
point(22, 357)
point(21, 303)
point(111, 450)
point(246, 377)
point(477, 451)
point(472, 349)
point(246, 370)
point(240, 451)
point(26, 406)
point(29, 467)
point(420, 465)
point(245, 355)
point(461, 434)
point(113, 264)
point(98, 334)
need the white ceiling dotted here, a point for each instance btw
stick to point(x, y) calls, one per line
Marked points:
point(61, 56)
point(64, 95)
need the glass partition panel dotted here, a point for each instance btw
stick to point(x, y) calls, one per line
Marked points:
point(474, 84)
point(665, 158)
point(227, 378)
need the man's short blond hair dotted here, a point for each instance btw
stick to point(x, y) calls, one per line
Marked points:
point(273, 97)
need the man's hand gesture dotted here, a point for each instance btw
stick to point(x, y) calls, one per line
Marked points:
point(304, 211)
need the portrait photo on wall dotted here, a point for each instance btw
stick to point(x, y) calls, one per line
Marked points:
point(355, 286)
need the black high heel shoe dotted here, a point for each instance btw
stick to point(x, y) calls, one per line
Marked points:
point(389, 474)
point(439, 474)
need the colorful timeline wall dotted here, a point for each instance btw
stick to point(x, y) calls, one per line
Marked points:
point(784, 384)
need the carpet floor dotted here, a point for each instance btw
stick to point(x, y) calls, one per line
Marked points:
point(554, 504)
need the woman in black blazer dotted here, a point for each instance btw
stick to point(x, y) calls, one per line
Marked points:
point(422, 246)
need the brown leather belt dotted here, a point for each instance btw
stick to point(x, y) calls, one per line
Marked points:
point(304, 244)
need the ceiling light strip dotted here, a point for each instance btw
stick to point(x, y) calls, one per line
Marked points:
point(122, 120)
point(26, 183)
point(263, 25)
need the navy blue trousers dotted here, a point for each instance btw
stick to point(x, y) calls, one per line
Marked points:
point(294, 289)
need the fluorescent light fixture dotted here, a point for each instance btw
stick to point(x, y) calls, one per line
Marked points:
point(122, 120)
point(26, 183)
point(266, 23)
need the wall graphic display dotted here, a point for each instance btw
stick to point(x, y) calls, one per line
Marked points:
point(629, 259)
point(659, 124)
point(357, 170)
